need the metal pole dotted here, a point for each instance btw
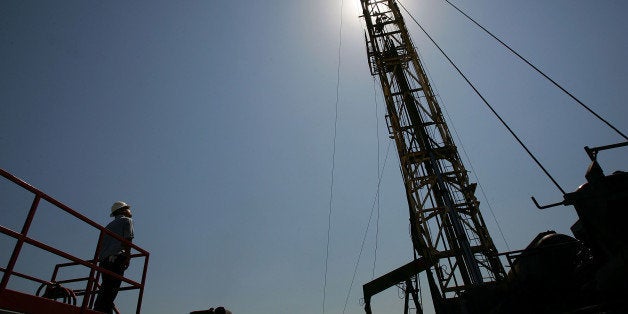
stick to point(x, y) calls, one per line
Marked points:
point(139, 300)
point(18, 245)
point(88, 296)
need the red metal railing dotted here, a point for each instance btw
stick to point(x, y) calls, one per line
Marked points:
point(95, 271)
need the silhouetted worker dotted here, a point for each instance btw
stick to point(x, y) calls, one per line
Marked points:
point(114, 255)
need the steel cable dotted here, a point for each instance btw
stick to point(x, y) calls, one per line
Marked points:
point(485, 102)
point(539, 71)
point(355, 269)
point(333, 158)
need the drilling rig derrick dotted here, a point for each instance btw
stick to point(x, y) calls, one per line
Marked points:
point(450, 239)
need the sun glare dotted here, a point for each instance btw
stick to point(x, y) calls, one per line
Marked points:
point(353, 12)
point(356, 7)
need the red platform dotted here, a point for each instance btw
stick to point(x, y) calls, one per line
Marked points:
point(26, 303)
point(12, 301)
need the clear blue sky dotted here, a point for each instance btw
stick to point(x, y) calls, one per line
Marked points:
point(214, 120)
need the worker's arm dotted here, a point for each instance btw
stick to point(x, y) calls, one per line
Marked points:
point(127, 254)
point(128, 235)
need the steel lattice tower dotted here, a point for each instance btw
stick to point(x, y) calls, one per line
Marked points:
point(450, 239)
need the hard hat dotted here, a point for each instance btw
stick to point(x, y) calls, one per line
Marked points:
point(117, 206)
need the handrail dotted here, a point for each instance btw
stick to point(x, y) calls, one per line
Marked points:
point(31, 278)
point(50, 249)
point(67, 209)
point(91, 264)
